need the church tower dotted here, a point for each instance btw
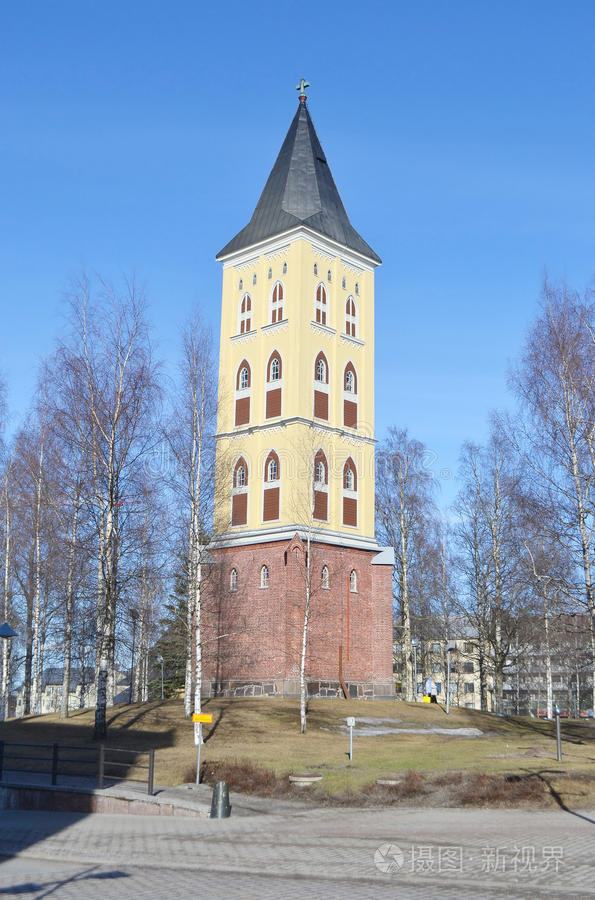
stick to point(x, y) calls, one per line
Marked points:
point(294, 510)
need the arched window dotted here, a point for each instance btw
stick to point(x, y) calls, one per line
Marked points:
point(273, 387)
point(264, 577)
point(254, 278)
point(329, 275)
point(239, 493)
point(245, 314)
point(344, 282)
point(321, 305)
point(320, 486)
point(284, 268)
point(350, 317)
point(316, 268)
point(353, 582)
point(321, 389)
point(270, 274)
point(350, 494)
point(324, 580)
point(277, 303)
point(356, 289)
point(241, 284)
point(233, 580)
point(350, 396)
point(321, 369)
point(272, 481)
point(243, 383)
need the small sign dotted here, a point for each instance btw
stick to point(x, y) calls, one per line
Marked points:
point(203, 718)
point(350, 721)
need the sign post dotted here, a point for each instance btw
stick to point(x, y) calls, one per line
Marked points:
point(350, 724)
point(199, 719)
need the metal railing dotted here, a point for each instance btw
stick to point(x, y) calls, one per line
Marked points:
point(59, 762)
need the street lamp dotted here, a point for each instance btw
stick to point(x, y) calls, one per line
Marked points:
point(414, 644)
point(160, 662)
point(7, 634)
point(451, 645)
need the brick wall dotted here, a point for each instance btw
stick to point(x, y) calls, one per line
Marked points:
point(254, 633)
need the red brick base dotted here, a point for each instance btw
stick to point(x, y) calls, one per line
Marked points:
point(252, 636)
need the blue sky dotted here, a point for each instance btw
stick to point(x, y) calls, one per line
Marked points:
point(137, 136)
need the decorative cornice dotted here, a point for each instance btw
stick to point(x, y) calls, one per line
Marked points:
point(350, 267)
point(325, 330)
point(287, 532)
point(353, 341)
point(321, 255)
point(247, 263)
point(242, 338)
point(277, 254)
point(275, 326)
point(246, 257)
point(350, 437)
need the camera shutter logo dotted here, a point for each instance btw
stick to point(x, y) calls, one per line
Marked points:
point(389, 858)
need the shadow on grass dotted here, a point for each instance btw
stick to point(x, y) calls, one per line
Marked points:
point(556, 796)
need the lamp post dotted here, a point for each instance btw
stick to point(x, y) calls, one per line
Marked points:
point(449, 648)
point(7, 634)
point(160, 662)
point(414, 644)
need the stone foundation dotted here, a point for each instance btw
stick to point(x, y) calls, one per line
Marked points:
point(291, 688)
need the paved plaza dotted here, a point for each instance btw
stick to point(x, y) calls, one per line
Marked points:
point(285, 851)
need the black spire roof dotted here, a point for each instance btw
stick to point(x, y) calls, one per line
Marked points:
point(300, 191)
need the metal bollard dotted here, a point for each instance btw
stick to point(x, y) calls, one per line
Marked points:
point(558, 735)
point(220, 808)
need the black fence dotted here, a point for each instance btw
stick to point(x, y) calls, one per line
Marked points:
point(99, 763)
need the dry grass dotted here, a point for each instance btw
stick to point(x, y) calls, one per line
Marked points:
point(256, 743)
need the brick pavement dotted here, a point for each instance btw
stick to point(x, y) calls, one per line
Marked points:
point(326, 853)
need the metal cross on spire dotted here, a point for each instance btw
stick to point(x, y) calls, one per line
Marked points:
point(301, 87)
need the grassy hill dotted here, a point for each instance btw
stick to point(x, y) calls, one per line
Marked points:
point(255, 743)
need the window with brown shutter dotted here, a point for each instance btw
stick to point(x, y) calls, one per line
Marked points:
point(273, 407)
point(320, 405)
point(270, 506)
point(350, 414)
point(242, 411)
point(239, 509)
point(350, 511)
point(321, 505)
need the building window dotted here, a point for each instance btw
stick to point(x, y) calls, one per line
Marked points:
point(353, 582)
point(285, 268)
point(436, 648)
point(437, 668)
point(344, 282)
point(320, 487)
point(349, 381)
point(277, 303)
point(245, 314)
point(329, 275)
point(321, 305)
point(233, 580)
point(241, 284)
point(264, 577)
point(350, 317)
point(321, 371)
point(356, 289)
point(242, 410)
point(316, 268)
point(273, 396)
point(350, 396)
point(469, 687)
point(239, 493)
point(272, 476)
point(469, 648)
point(254, 278)
point(350, 494)
point(321, 389)
point(468, 668)
point(324, 580)
point(270, 274)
